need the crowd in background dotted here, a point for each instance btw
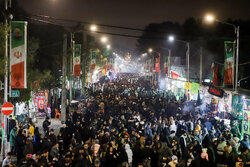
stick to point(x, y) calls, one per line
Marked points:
point(130, 123)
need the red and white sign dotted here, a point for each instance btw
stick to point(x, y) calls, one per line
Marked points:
point(7, 108)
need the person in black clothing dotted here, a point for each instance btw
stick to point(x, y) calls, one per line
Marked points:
point(27, 161)
point(52, 137)
point(46, 124)
point(11, 124)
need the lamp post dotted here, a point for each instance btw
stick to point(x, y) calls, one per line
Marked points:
point(210, 19)
point(172, 39)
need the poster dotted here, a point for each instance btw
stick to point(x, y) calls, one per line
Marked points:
point(195, 88)
point(237, 105)
point(40, 102)
point(187, 85)
point(246, 118)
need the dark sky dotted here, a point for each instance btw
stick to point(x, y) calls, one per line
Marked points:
point(136, 13)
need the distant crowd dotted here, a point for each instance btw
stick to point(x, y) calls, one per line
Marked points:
point(130, 124)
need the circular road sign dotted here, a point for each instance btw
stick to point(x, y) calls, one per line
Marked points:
point(7, 108)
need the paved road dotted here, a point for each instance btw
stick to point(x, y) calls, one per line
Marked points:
point(55, 124)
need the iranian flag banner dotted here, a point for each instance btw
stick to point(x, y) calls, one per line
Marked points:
point(212, 72)
point(93, 61)
point(18, 54)
point(228, 66)
point(166, 64)
point(77, 60)
point(151, 65)
point(157, 64)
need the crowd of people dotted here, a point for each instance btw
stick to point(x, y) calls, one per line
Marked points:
point(130, 123)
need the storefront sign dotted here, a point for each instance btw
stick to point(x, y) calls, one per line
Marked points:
point(216, 91)
point(246, 118)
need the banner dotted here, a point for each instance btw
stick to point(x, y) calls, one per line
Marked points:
point(77, 60)
point(18, 54)
point(174, 75)
point(195, 88)
point(214, 72)
point(237, 105)
point(228, 73)
point(166, 64)
point(187, 85)
point(93, 61)
point(216, 91)
point(157, 64)
point(246, 118)
point(40, 103)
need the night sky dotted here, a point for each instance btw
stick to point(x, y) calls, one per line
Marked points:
point(136, 13)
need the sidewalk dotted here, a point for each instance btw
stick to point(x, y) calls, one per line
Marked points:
point(55, 124)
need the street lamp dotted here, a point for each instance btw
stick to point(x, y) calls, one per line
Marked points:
point(211, 18)
point(93, 28)
point(171, 38)
point(108, 46)
point(150, 50)
point(104, 39)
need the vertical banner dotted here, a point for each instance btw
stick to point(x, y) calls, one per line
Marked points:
point(166, 65)
point(157, 64)
point(228, 73)
point(246, 118)
point(40, 103)
point(93, 61)
point(18, 54)
point(151, 65)
point(77, 60)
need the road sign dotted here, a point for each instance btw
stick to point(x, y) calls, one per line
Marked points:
point(7, 108)
point(15, 93)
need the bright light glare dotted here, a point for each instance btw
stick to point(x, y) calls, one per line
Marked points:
point(95, 72)
point(209, 18)
point(144, 54)
point(108, 46)
point(93, 28)
point(104, 39)
point(243, 97)
point(171, 38)
point(150, 50)
point(114, 53)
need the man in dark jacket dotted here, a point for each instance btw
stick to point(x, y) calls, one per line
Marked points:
point(27, 161)
point(46, 124)
point(12, 124)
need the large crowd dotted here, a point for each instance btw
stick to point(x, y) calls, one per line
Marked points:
point(130, 123)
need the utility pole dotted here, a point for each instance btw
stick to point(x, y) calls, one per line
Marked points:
point(201, 52)
point(63, 97)
point(187, 60)
point(71, 67)
point(4, 117)
point(84, 55)
point(237, 30)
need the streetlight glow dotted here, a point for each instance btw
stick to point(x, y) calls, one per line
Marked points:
point(108, 46)
point(93, 28)
point(171, 38)
point(209, 18)
point(150, 50)
point(104, 39)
